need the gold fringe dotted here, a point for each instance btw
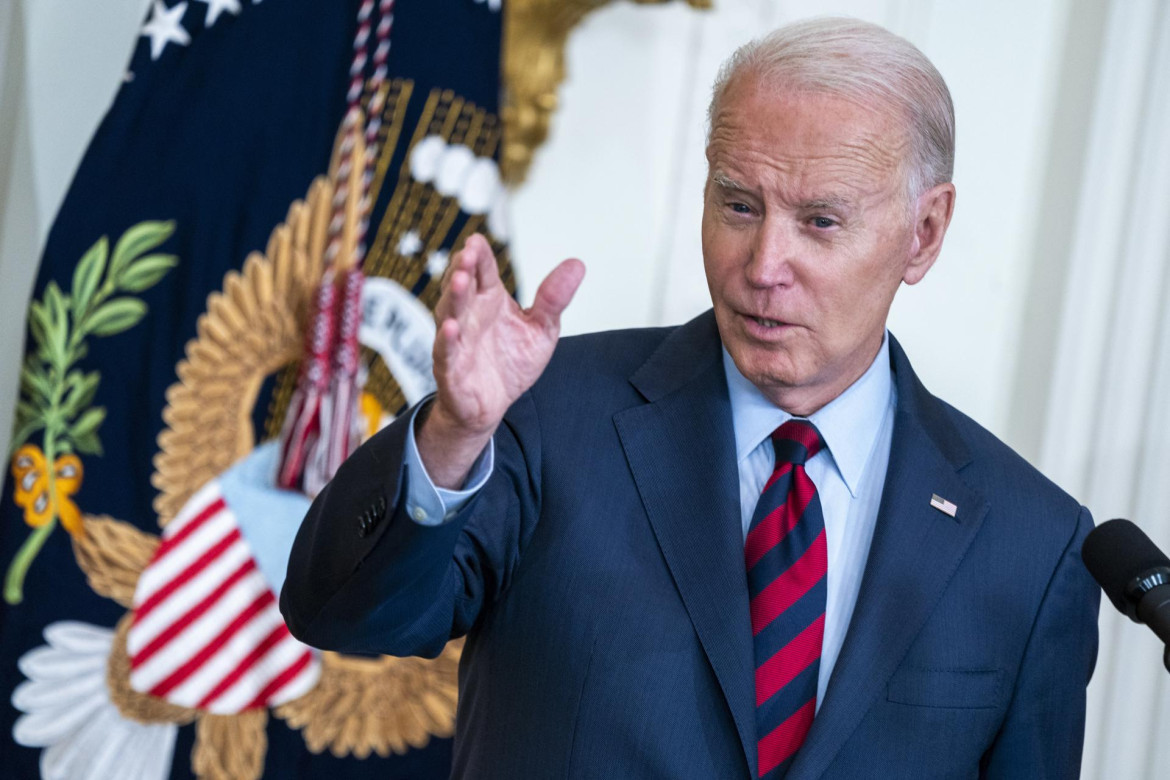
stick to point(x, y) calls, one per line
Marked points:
point(413, 206)
point(392, 123)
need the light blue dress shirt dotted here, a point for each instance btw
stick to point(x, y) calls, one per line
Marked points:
point(849, 473)
point(428, 504)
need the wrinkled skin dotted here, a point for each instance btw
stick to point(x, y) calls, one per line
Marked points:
point(488, 351)
point(808, 231)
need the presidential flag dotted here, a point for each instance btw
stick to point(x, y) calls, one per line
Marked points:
point(276, 183)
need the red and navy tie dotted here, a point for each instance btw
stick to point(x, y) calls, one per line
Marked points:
point(786, 564)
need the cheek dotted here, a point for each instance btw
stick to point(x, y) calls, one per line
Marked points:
point(707, 244)
point(859, 307)
point(726, 245)
point(719, 255)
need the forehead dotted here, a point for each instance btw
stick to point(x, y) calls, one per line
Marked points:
point(762, 136)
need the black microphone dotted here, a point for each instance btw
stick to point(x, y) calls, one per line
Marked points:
point(1134, 574)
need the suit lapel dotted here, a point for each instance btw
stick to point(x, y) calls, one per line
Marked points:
point(915, 551)
point(681, 449)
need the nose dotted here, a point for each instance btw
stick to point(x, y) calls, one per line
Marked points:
point(772, 256)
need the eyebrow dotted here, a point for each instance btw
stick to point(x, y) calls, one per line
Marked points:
point(727, 183)
point(830, 202)
point(833, 202)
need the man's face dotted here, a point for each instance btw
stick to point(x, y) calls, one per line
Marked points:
point(807, 234)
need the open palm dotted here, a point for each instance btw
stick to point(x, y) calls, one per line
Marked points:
point(488, 351)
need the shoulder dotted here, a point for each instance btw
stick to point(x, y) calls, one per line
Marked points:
point(1031, 528)
point(1018, 494)
point(1027, 530)
point(1000, 471)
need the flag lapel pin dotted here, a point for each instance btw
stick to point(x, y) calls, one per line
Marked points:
point(942, 505)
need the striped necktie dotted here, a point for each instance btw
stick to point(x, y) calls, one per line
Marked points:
point(786, 565)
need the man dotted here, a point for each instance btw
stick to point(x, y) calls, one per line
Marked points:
point(669, 548)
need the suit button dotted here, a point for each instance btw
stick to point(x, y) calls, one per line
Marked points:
point(364, 525)
point(381, 505)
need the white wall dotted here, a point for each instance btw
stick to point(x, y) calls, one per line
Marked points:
point(620, 182)
point(999, 327)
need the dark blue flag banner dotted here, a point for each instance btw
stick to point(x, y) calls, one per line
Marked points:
point(142, 537)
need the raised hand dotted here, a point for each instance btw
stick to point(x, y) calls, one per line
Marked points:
point(488, 351)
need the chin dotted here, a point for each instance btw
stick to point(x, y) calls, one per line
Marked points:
point(765, 368)
point(774, 385)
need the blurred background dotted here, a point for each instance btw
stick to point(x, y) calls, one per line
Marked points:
point(1044, 319)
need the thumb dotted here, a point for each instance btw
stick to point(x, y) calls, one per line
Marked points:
point(556, 291)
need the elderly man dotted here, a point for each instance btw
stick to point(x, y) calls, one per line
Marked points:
point(752, 545)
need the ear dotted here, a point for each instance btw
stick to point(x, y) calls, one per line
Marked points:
point(932, 215)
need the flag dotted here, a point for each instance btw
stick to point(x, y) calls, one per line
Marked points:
point(142, 535)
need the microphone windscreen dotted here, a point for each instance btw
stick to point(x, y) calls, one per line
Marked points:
point(1117, 551)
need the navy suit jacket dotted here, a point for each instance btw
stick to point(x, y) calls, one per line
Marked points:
point(599, 580)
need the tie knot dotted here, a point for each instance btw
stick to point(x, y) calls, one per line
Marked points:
point(796, 441)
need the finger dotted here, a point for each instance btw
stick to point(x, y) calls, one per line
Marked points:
point(487, 270)
point(465, 259)
point(556, 291)
point(447, 298)
point(446, 342)
point(460, 293)
point(443, 307)
point(445, 357)
point(452, 264)
point(468, 261)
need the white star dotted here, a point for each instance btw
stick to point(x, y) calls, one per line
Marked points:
point(409, 244)
point(437, 263)
point(165, 26)
point(217, 7)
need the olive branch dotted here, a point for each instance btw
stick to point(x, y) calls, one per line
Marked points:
point(55, 395)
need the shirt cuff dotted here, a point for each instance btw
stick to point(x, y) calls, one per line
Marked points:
point(427, 504)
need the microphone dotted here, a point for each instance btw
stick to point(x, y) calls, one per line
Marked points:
point(1134, 574)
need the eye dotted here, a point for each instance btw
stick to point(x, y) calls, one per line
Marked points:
point(823, 223)
point(740, 208)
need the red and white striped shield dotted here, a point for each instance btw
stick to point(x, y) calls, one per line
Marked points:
point(207, 632)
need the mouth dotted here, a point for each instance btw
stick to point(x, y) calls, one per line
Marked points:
point(764, 329)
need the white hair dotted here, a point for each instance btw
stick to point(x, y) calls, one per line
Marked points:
point(859, 61)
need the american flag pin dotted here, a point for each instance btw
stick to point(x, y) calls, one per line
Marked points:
point(942, 505)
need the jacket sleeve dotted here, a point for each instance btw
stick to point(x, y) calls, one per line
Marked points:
point(1043, 733)
point(365, 578)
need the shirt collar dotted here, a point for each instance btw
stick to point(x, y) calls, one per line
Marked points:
point(849, 423)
